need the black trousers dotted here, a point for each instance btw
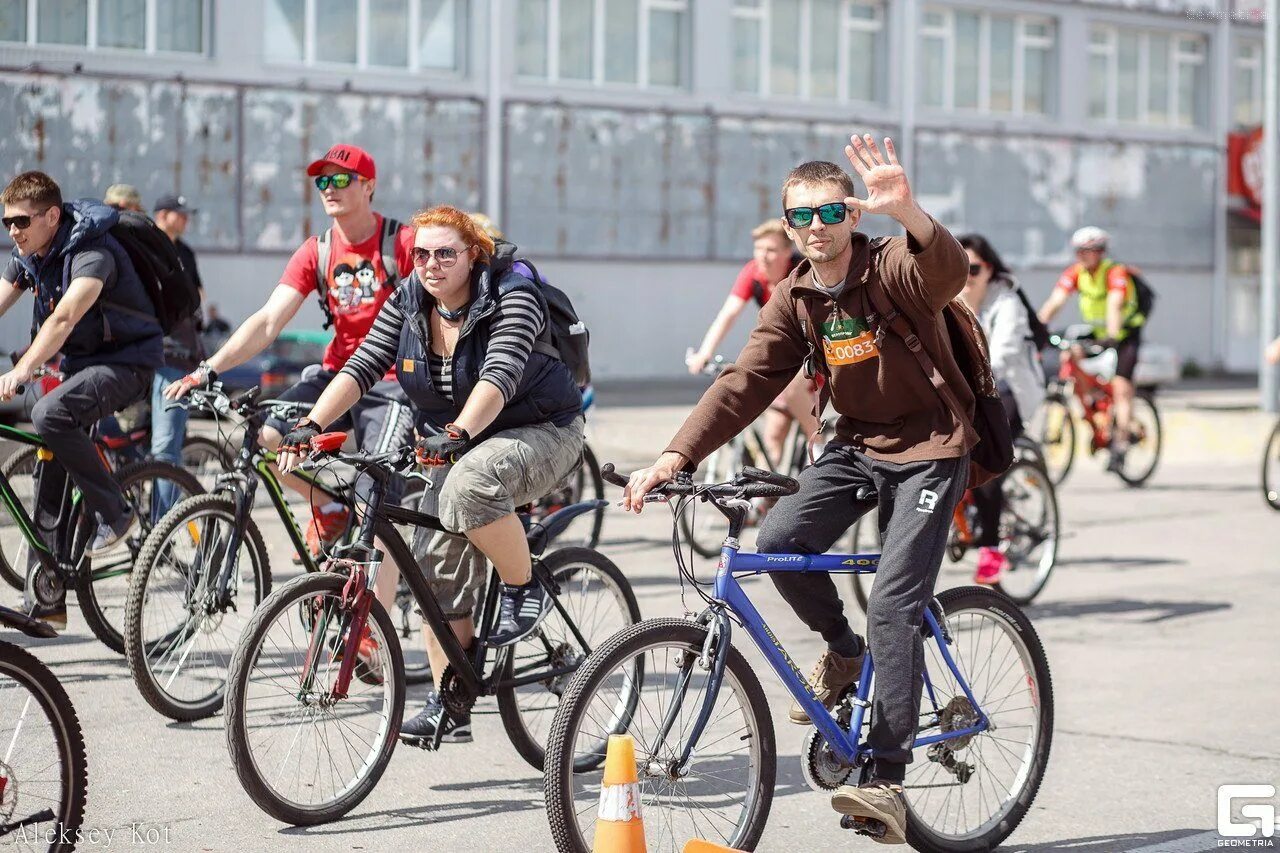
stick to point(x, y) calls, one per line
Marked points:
point(916, 500)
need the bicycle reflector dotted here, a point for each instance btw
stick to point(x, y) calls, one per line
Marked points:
point(328, 442)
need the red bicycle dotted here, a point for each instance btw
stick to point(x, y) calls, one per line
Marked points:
point(1087, 380)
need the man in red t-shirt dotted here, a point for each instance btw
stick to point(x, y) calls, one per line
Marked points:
point(354, 280)
point(771, 262)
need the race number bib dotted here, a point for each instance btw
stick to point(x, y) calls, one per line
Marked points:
point(848, 341)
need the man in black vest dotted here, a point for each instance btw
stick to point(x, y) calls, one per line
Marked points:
point(91, 305)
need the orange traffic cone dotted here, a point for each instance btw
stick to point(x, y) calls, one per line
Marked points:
point(697, 845)
point(619, 827)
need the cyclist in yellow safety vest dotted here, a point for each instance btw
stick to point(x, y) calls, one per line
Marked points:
point(1109, 303)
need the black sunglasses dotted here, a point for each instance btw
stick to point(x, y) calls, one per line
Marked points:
point(340, 181)
point(23, 221)
point(830, 214)
point(974, 269)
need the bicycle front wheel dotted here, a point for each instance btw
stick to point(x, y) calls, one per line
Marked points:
point(970, 792)
point(102, 583)
point(863, 538)
point(701, 526)
point(1028, 531)
point(205, 458)
point(19, 469)
point(595, 602)
point(180, 625)
point(43, 776)
point(1271, 469)
point(303, 756)
point(725, 791)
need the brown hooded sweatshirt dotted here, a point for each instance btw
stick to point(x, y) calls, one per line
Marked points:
point(886, 404)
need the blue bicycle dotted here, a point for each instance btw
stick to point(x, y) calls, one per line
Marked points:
point(705, 750)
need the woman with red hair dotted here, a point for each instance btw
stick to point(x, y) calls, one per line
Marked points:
point(470, 341)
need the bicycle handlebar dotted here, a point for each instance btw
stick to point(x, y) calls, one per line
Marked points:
point(750, 483)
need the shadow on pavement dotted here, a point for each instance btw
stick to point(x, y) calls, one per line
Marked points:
point(1155, 611)
point(1110, 843)
point(1122, 562)
point(424, 816)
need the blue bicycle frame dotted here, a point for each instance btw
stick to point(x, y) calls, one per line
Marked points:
point(730, 596)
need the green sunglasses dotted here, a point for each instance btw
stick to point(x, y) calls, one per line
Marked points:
point(340, 181)
point(830, 214)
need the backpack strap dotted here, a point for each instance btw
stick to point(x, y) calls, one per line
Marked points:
point(887, 314)
point(324, 250)
point(545, 343)
point(390, 265)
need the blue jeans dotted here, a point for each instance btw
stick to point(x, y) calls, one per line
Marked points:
point(168, 431)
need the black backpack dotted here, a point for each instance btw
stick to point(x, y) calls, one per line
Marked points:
point(569, 339)
point(1146, 295)
point(155, 258)
point(1039, 331)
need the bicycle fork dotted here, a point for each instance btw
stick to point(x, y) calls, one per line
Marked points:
point(714, 656)
point(352, 608)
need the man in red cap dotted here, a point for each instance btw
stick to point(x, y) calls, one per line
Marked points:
point(358, 239)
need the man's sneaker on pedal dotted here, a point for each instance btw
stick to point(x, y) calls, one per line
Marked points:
point(109, 533)
point(991, 564)
point(521, 610)
point(874, 805)
point(422, 728)
point(831, 675)
point(326, 527)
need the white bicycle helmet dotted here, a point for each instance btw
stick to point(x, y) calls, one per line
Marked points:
point(1090, 237)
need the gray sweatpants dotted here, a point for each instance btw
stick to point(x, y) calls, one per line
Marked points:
point(916, 501)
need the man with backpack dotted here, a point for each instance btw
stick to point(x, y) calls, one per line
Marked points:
point(346, 178)
point(1115, 301)
point(877, 319)
point(91, 304)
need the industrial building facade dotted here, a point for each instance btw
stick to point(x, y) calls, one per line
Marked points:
point(630, 145)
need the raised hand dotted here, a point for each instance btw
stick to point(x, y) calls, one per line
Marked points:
point(888, 191)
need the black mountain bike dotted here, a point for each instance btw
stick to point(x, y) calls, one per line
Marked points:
point(312, 719)
point(43, 780)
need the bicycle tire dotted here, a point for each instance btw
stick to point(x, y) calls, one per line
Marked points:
point(37, 679)
point(1136, 479)
point(595, 480)
point(566, 563)
point(21, 463)
point(956, 601)
point(100, 617)
point(1050, 497)
point(198, 450)
point(1060, 453)
point(136, 648)
point(1270, 480)
point(718, 469)
point(559, 777)
point(281, 603)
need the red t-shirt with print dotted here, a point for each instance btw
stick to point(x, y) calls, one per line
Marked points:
point(357, 285)
point(751, 286)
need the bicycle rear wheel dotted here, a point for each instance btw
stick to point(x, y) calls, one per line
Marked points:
point(727, 789)
point(179, 635)
point(1028, 531)
point(584, 483)
point(598, 600)
point(302, 756)
point(102, 583)
point(1058, 437)
point(1145, 439)
point(19, 469)
point(969, 793)
point(43, 776)
point(1271, 469)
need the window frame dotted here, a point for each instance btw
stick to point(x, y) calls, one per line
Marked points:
point(849, 24)
point(597, 79)
point(1179, 59)
point(1023, 41)
point(150, 36)
point(1256, 65)
point(413, 34)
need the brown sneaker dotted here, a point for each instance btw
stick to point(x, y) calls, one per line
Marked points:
point(872, 806)
point(831, 675)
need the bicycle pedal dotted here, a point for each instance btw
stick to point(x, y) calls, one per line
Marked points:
point(864, 826)
point(423, 743)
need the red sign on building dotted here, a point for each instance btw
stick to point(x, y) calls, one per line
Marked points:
point(1244, 166)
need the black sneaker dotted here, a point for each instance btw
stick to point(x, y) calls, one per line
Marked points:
point(522, 609)
point(111, 532)
point(422, 728)
point(1115, 464)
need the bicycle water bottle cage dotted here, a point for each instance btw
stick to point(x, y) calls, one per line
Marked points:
point(328, 442)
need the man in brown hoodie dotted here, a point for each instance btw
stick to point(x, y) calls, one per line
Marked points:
point(897, 441)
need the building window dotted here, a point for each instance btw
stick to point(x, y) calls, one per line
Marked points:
point(826, 49)
point(1249, 83)
point(416, 35)
point(150, 26)
point(987, 62)
point(604, 42)
point(1142, 77)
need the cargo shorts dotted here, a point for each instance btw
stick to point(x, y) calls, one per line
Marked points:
point(509, 469)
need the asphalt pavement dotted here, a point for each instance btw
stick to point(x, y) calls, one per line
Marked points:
point(1159, 626)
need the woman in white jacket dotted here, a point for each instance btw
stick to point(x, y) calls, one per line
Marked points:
point(991, 293)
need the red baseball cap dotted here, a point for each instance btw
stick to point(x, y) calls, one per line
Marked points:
point(348, 157)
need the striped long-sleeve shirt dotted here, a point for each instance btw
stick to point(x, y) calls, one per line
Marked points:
point(514, 326)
